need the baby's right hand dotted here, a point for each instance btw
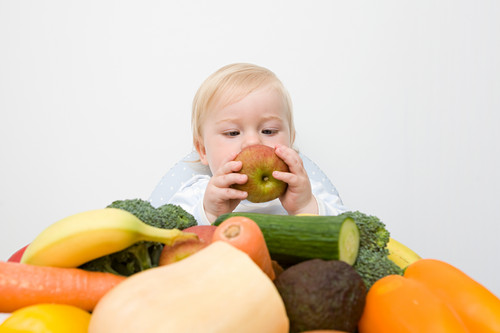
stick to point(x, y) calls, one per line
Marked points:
point(219, 197)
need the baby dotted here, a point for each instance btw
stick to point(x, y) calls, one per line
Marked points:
point(237, 106)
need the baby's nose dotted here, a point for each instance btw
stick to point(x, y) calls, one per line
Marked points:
point(251, 140)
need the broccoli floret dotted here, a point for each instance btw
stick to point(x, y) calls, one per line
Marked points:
point(168, 216)
point(136, 258)
point(142, 255)
point(173, 216)
point(142, 209)
point(372, 262)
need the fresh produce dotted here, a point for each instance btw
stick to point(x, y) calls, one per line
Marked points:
point(259, 162)
point(22, 285)
point(168, 216)
point(372, 262)
point(135, 258)
point(397, 304)
point(204, 232)
point(16, 256)
point(401, 254)
point(477, 307)
point(292, 239)
point(85, 236)
point(180, 250)
point(146, 254)
point(217, 289)
point(320, 294)
point(49, 318)
point(244, 234)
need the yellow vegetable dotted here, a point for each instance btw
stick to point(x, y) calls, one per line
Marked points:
point(401, 254)
point(217, 289)
point(47, 318)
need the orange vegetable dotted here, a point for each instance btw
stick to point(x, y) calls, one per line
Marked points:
point(478, 308)
point(397, 304)
point(22, 285)
point(244, 234)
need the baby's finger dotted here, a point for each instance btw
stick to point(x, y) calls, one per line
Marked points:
point(231, 194)
point(286, 177)
point(229, 167)
point(290, 157)
point(226, 180)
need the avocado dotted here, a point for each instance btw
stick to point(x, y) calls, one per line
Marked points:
point(322, 294)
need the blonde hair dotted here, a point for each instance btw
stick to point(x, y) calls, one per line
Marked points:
point(229, 85)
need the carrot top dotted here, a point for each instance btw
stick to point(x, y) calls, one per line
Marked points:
point(244, 234)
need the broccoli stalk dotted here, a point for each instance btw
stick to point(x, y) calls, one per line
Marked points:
point(142, 255)
point(372, 262)
point(136, 258)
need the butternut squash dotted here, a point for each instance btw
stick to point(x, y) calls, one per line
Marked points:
point(217, 289)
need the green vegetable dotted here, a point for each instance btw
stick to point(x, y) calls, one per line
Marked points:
point(293, 239)
point(168, 216)
point(142, 255)
point(372, 262)
point(171, 216)
point(136, 258)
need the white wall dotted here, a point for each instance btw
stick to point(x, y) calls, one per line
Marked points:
point(397, 101)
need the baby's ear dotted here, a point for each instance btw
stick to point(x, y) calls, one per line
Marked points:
point(200, 148)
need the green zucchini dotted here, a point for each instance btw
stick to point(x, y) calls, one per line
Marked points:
point(293, 239)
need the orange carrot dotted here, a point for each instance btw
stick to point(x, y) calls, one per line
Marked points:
point(244, 234)
point(23, 284)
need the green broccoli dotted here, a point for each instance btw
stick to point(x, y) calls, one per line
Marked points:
point(168, 216)
point(142, 209)
point(372, 262)
point(142, 255)
point(171, 216)
point(136, 258)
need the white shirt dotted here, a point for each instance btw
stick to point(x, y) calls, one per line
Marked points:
point(185, 185)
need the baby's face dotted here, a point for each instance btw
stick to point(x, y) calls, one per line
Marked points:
point(259, 118)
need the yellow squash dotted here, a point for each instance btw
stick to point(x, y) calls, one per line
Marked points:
point(217, 289)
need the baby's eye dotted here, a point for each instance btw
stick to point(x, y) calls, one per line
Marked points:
point(232, 133)
point(269, 131)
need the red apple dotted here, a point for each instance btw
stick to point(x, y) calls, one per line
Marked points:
point(180, 250)
point(259, 162)
point(204, 232)
point(183, 249)
point(16, 256)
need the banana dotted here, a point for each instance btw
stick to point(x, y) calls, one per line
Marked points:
point(400, 254)
point(85, 236)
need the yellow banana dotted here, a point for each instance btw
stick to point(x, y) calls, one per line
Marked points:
point(400, 254)
point(85, 236)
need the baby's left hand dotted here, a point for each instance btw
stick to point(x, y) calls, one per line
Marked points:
point(298, 198)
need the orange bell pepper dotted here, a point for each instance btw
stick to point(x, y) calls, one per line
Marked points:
point(478, 308)
point(432, 296)
point(397, 304)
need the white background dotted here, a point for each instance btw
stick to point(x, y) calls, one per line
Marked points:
point(397, 101)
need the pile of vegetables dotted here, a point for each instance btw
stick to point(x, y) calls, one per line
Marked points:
point(246, 273)
point(372, 262)
point(146, 254)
